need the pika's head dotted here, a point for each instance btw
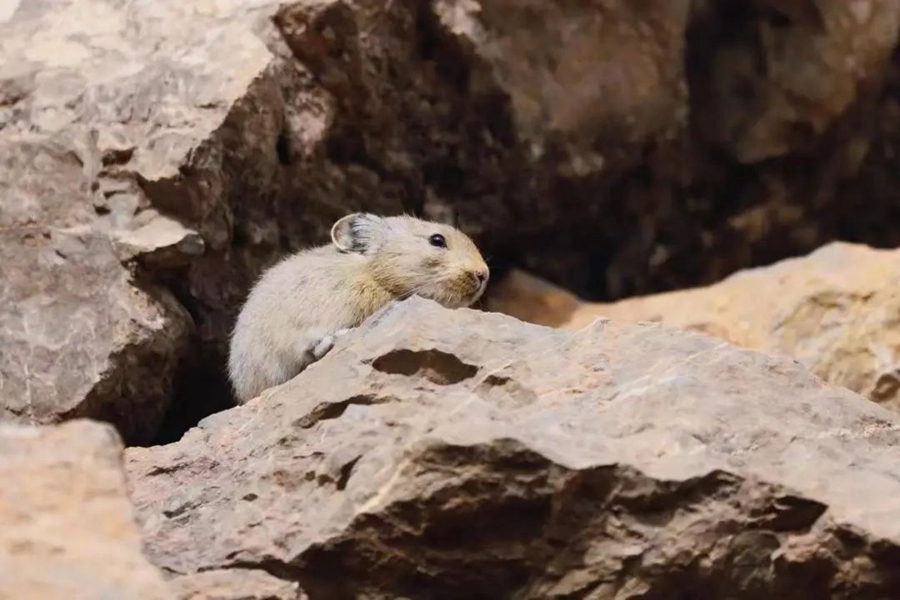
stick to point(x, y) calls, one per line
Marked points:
point(409, 256)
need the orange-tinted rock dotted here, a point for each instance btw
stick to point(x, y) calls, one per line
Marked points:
point(837, 311)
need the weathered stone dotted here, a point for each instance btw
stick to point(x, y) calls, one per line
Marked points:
point(79, 339)
point(784, 72)
point(458, 454)
point(235, 584)
point(67, 528)
point(104, 107)
point(592, 92)
point(837, 311)
point(578, 75)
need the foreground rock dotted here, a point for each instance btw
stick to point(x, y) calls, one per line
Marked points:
point(458, 454)
point(836, 311)
point(67, 529)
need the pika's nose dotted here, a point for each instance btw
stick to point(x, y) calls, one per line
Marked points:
point(481, 276)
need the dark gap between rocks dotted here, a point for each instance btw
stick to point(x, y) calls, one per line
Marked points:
point(200, 387)
point(199, 391)
point(283, 149)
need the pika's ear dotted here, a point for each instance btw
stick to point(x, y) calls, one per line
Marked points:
point(356, 232)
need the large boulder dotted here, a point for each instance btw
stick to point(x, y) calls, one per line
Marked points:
point(588, 83)
point(150, 151)
point(835, 310)
point(67, 528)
point(80, 337)
point(102, 105)
point(442, 453)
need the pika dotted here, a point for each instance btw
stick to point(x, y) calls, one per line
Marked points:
point(300, 306)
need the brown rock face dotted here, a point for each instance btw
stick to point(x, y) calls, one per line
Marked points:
point(785, 72)
point(458, 454)
point(578, 73)
point(67, 528)
point(837, 311)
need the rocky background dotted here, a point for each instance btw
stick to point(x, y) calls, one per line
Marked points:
point(606, 155)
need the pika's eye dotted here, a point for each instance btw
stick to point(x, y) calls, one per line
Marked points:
point(438, 241)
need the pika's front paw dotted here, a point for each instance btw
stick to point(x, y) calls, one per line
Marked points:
point(323, 347)
point(327, 343)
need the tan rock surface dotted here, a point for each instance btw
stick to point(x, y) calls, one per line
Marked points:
point(67, 528)
point(460, 454)
point(836, 310)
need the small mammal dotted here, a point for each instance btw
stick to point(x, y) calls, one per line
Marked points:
point(302, 304)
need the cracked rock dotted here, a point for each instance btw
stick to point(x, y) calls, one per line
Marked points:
point(621, 460)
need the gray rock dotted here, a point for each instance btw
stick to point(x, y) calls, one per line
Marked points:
point(79, 338)
point(450, 454)
point(67, 529)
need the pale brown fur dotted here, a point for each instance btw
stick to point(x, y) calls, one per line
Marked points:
point(302, 304)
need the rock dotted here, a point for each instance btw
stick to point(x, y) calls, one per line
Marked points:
point(458, 454)
point(787, 71)
point(150, 152)
point(578, 75)
point(235, 584)
point(585, 95)
point(835, 311)
point(67, 529)
point(79, 338)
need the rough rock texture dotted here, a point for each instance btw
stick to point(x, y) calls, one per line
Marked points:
point(784, 72)
point(460, 454)
point(148, 148)
point(837, 311)
point(67, 529)
point(236, 584)
point(793, 125)
point(156, 155)
point(79, 338)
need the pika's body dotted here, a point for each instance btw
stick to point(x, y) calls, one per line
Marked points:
point(299, 306)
